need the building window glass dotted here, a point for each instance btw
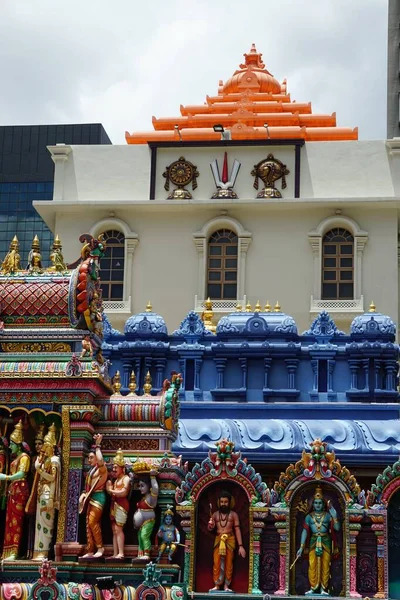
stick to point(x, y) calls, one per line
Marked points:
point(18, 217)
point(112, 266)
point(222, 265)
point(338, 265)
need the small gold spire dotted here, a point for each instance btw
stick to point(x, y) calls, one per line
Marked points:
point(36, 243)
point(132, 384)
point(277, 307)
point(207, 316)
point(149, 307)
point(239, 307)
point(15, 242)
point(267, 307)
point(117, 384)
point(248, 307)
point(57, 242)
point(147, 384)
point(372, 307)
point(257, 307)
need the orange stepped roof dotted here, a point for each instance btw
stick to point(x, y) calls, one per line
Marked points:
point(252, 105)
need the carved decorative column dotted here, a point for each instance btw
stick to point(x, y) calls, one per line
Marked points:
point(282, 525)
point(130, 246)
point(188, 526)
point(379, 528)
point(126, 373)
point(197, 369)
point(314, 366)
point(391, 368)
point(220, 364)
point(354, 366)
point(257, 518)
point(243, 366)
point(291, 366)
point(377, 369)
point(160, 364)
point(354, 527)
point(331, 367)
point(365, 365)
point(267, 366)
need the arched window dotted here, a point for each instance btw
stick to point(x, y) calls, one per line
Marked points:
point(222, 265)
point(112, 266)
point(337, 265)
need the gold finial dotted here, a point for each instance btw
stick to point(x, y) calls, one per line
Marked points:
point(57, 242)
point(132, 384)
point(36, 243)
point(248, 307)
point(119, 458)
point(239, 307)
point(50, 437)
point(207, 316)
point(17, 436)
point(372, 307)
point(147, 384)
point(14, 243)
point(149, 307)
point(257, 307)
point(277, 307)
point(267, 307)
point(117, 384)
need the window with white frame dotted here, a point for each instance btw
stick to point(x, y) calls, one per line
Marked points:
point(112, 265)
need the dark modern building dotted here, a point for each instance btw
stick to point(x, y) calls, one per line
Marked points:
point(27, 174)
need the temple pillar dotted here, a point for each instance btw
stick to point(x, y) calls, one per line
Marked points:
point(391, 368)
point(354, 527)
point(267, 367)
point(160, 364)
point(281, 525)
point(354, 366)
point(243, 366)
point(291, 366)
point(254, 570)
point(378, 527)
point(220, 364)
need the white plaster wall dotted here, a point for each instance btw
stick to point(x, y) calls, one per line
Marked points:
point(328, 170)
point(279, 259)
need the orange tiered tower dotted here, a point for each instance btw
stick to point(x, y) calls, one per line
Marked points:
point(252, 104)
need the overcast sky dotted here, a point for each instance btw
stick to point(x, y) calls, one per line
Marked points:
point(120, 62)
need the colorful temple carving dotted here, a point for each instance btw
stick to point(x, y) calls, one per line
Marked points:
point(250, 105)
point(98, 474)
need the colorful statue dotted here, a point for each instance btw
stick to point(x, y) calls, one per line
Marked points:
point(228, 533)
point(3, 469)
point(57, 258)
point(93, 499)
point(12, 262)
point(144, 517)
point(35, 258)
point(30, 508)
point(320, 524)
point(48, 466)
point(119, 491)
point(168, 534)
point(87, 348)
point(18, 494)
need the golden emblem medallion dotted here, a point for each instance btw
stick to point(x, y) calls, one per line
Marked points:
point(180, 173)
point(269, 170)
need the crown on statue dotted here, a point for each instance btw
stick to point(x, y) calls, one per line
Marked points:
point(141, 467)
point(319, 494)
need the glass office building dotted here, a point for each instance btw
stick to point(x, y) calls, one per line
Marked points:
point(27, 174)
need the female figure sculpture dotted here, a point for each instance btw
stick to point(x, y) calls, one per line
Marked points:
point(48, 467)
point(144, 517)
point(18, 494)
point(30, 508)
point(320, 525)
point(119, 490)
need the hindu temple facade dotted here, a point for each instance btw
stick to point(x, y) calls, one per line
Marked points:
point(220, 442)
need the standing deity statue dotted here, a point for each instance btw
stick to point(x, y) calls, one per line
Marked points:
point(35, 258)
point(48, 467)
point(144, 517)
point(30, 508)
point(57, 257)
point(227, 523)
point(168, 534)
point(18, 494)
point(119, 491)
point(93, 499)
point(12, 262)
point(320, 527)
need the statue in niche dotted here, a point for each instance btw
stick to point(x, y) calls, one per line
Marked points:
point(168, 535)
point(119, 490)
point(144, 517)
point(227, 524)
point(30, 508)
point(18, 493)
point(48, 467)
point(93, 499)
point(319, 531)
